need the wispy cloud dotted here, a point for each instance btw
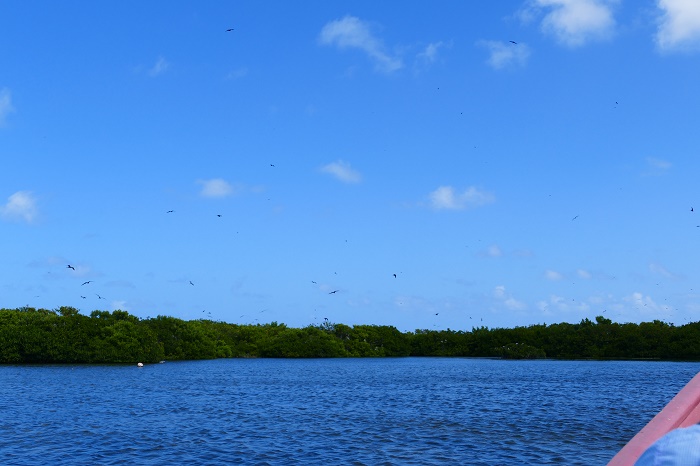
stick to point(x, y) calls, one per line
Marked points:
point(351, 32)
point(658, 163)
point(557, 304)
point(585, 274)
point(342, 171)
point(237, 73)
point(5, 105)
point(657, 166)
point(643, 303)
point(216, 187)
point(659, 269)
point(159, 67)
point(445, 198)
point(492, 251)
point(679, 25)
point(429, 54)
point(507, 300)
point(505, 54)
point(20, 206)
point(553, 275)
point(573, 22)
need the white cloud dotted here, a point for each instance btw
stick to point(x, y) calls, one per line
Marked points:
point(445, 197)
point(119, 305)
point(342, 171)
point(430, 53)
point(216, 187)
point(237, 73)
point(504, 54)
point(159, 68)
point(642, 303)
point(508, 301)
point(658, 163)
point(553, 275)
point(494, 251)
point(585, 274)
point(574, 22)
point(5, 105)
point(663, 271)
point(679, 25)
point(351, 32)
point(20, 206)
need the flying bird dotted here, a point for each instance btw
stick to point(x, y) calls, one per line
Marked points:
point(313, 282)
point(333, 292)
point(83, 297)
point(691, 209)
point(229, 29)
point(99, 297)
point(218, 215)
point(70, 267)
point(574, 218)
point(85, 283)
point(191, 283)
point(513, 42)
point(170, 212)
point(394, 275)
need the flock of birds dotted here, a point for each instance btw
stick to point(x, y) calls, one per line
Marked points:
point(334, 291)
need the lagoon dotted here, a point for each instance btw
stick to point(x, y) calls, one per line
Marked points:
point(331, 411)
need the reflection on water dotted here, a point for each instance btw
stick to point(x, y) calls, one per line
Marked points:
point(342, 411)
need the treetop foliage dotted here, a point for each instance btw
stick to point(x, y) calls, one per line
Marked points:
point(63, 335)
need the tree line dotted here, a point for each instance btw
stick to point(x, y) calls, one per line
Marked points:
point(63, 335)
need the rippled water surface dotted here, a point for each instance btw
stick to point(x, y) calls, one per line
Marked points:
point(337, 411)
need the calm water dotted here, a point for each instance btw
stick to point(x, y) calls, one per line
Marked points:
point(339, 411)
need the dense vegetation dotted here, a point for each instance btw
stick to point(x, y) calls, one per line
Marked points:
point(29, 335)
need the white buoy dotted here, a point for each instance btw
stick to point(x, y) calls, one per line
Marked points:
point(140, 364)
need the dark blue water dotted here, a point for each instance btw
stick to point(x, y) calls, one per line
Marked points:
point(338, 411)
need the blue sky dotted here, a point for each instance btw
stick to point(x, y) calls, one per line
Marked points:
point(332, 146)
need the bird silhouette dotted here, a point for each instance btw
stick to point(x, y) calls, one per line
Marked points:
point(70, 267)
point(191, 283)
point(170, 212)
point(99, 297)
point(394, 275)
point(333, 292)
point(218, 215)
point(229, 30)
point(85, 283)
point(513, 42)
